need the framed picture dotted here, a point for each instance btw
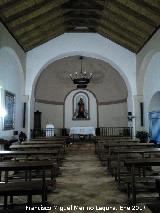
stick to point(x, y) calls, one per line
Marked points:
point(9, 119)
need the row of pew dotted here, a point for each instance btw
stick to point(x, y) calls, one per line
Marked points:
point(30, 168)
point(134, 165)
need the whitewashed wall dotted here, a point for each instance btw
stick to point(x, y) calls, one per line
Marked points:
point(11, 80)
point(151, 83)
point(12, 74)
point(148, 74)
point(6, 40)
point(143, 59)
point(50, 114)
point(86, 44)
point(154, 105)
point(69, 111)
point(113, 115)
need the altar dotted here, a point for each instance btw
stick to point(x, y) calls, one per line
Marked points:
point(82, 131)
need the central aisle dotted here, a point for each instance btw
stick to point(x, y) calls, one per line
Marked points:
point(85, 183)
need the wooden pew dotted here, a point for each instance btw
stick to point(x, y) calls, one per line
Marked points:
point(52, 155)
point(101, 149)
point(61, 138)
point(28, 166)
point(38, 147)
point(42, 142)
point(139, 163)
point(35, 146)
point(23, 188)
point(132, 151)
point(9, 189)
point(127, 145)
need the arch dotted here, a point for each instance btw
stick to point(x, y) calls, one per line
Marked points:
point(154, 117)
point(91, 55)
point(150, 84)
point(30, 87)
point(154, 104)
point(142, 70)
point(86, 97)
point(75, 93)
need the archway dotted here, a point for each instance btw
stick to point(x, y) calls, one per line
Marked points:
point(151, 85)
point(154, 105)
point(111, 96)
point(91, 45)
point(70, 109)
point(154, 117)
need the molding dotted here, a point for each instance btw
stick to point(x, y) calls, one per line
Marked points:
point(113, 102)
point(48, 102)
point(98, 103)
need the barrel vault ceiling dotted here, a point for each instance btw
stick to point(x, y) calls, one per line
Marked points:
point(130, 23)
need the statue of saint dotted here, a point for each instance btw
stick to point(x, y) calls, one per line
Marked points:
point(81, 109)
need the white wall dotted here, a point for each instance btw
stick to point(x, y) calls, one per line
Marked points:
point(148, 74)
point(13, 81)
point(143, 59)
point(155, 103)
point(86, 44)
point(6, 40)
point(107, 84)
point(69, 111)
point(50, 114)
point(113, 115)
point(151, 83)
point(12, 73)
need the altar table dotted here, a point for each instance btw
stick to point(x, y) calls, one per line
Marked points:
point(82, 131)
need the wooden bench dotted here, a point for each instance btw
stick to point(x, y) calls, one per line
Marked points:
point(23, 188)
point(143, 184)
point(139, 163)
point(157, 181)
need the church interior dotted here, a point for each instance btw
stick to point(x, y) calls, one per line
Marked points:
point(79, 106)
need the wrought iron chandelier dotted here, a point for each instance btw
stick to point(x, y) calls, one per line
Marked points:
point(83, 78)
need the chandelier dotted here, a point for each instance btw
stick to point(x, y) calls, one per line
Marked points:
point(83, 78)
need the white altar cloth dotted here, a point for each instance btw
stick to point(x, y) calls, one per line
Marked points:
point(82, 131)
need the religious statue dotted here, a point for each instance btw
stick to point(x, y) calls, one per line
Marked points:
point(81, 109)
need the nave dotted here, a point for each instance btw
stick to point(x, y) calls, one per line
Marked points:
point(84, 182)
point(86, 177)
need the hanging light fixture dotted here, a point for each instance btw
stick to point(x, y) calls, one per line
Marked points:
point(83, 78)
